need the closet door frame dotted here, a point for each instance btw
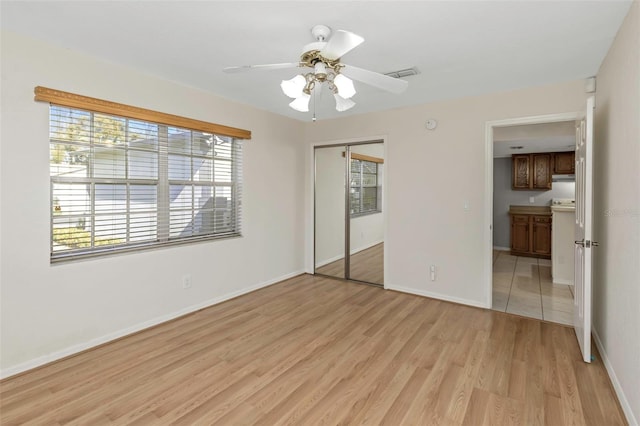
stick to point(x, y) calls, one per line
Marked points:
point(347, 206)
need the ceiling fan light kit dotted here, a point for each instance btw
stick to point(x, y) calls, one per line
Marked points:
point(344, 85)
point(301, 86)
point(323, 57)
point(293, 88)
point(301, 103)
point(343, 104)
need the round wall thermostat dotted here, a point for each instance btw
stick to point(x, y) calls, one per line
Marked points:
point(431, 124)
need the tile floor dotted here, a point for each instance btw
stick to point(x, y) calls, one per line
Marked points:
point(523, 286)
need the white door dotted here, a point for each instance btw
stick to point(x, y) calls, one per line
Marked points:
point(584, 228)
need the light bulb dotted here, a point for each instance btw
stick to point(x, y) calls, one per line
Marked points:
point(293, 88)
point(343, 104)
point(301, 103)
point(345, 86)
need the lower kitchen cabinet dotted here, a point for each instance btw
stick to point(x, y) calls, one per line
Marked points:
point(520, 234)
point(541, 236)
point(531, 235)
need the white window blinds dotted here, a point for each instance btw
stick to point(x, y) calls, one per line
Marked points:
point(121, 183)
point(364, 189)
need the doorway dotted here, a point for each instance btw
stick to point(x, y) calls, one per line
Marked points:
point(524, 277)
point(348, 211)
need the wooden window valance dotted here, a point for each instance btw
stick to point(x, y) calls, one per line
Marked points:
point(363, 157)
point(58, 97)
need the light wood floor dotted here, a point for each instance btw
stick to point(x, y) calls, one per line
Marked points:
point(366, 265)
point(314, 350)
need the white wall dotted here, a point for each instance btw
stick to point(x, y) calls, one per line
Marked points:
point(50, 311)
point(616, 285)
point(366, 231)
point(430, 176)
point(329, 205)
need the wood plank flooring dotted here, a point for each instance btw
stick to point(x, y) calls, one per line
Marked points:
point(366, 265)
point(314, 350)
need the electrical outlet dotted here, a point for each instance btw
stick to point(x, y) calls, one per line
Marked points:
point(432, 272)
point(186, 282)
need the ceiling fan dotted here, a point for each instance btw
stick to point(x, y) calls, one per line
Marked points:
point(323, 57)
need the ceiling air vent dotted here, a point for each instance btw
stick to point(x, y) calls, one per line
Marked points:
point(403, 73)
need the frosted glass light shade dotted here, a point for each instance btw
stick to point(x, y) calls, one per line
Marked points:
point(301, 103)
point(345, 86)
point(293, 88)
point(343, 104)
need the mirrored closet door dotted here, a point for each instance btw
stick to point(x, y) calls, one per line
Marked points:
point(349, 232)
point(330, 211)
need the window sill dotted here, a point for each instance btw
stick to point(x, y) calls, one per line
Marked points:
point(356, 215)
point(109, 252)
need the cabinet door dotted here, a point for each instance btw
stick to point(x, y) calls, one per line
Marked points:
point(564, 163)
point(520, 171)
point(541, 238)
point(520, 233)
point(541, 170)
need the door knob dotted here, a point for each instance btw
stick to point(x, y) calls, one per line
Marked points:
point(587, 243)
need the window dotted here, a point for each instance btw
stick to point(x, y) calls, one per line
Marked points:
point(120, 183)
point(364, 191)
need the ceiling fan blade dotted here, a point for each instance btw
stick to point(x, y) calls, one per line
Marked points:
point(381, 81)
point(244, 68)
point(340, 43)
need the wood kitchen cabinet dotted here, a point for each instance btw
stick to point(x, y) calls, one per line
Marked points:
point(520, 166)
point(531, 171)
point(541, 235)
point(520, 234)
point(564, 163)
point(531, 235)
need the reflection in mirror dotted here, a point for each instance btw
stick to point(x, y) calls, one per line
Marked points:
point(366, 225)
point(329, 211)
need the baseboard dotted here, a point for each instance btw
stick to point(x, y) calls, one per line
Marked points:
point(438, 296)
point(354, 251)
point(560, 281)
point(328, 261)
point(359, 249)
point(501, 248)
point(76, 349)
point(624, 402)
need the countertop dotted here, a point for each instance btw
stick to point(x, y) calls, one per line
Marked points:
point(536, 210)
point(562, 208)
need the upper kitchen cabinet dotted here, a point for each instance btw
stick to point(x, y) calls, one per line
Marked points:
point(564, 163)
point(541, 177)
point(531, 171)
point(520, 166)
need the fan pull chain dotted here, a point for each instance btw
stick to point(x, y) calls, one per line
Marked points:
point(314, 108)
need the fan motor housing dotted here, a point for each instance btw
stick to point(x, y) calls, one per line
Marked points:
point(311, 57)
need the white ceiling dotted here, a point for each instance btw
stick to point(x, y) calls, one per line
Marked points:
point(528, 138)
point(461, 48)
